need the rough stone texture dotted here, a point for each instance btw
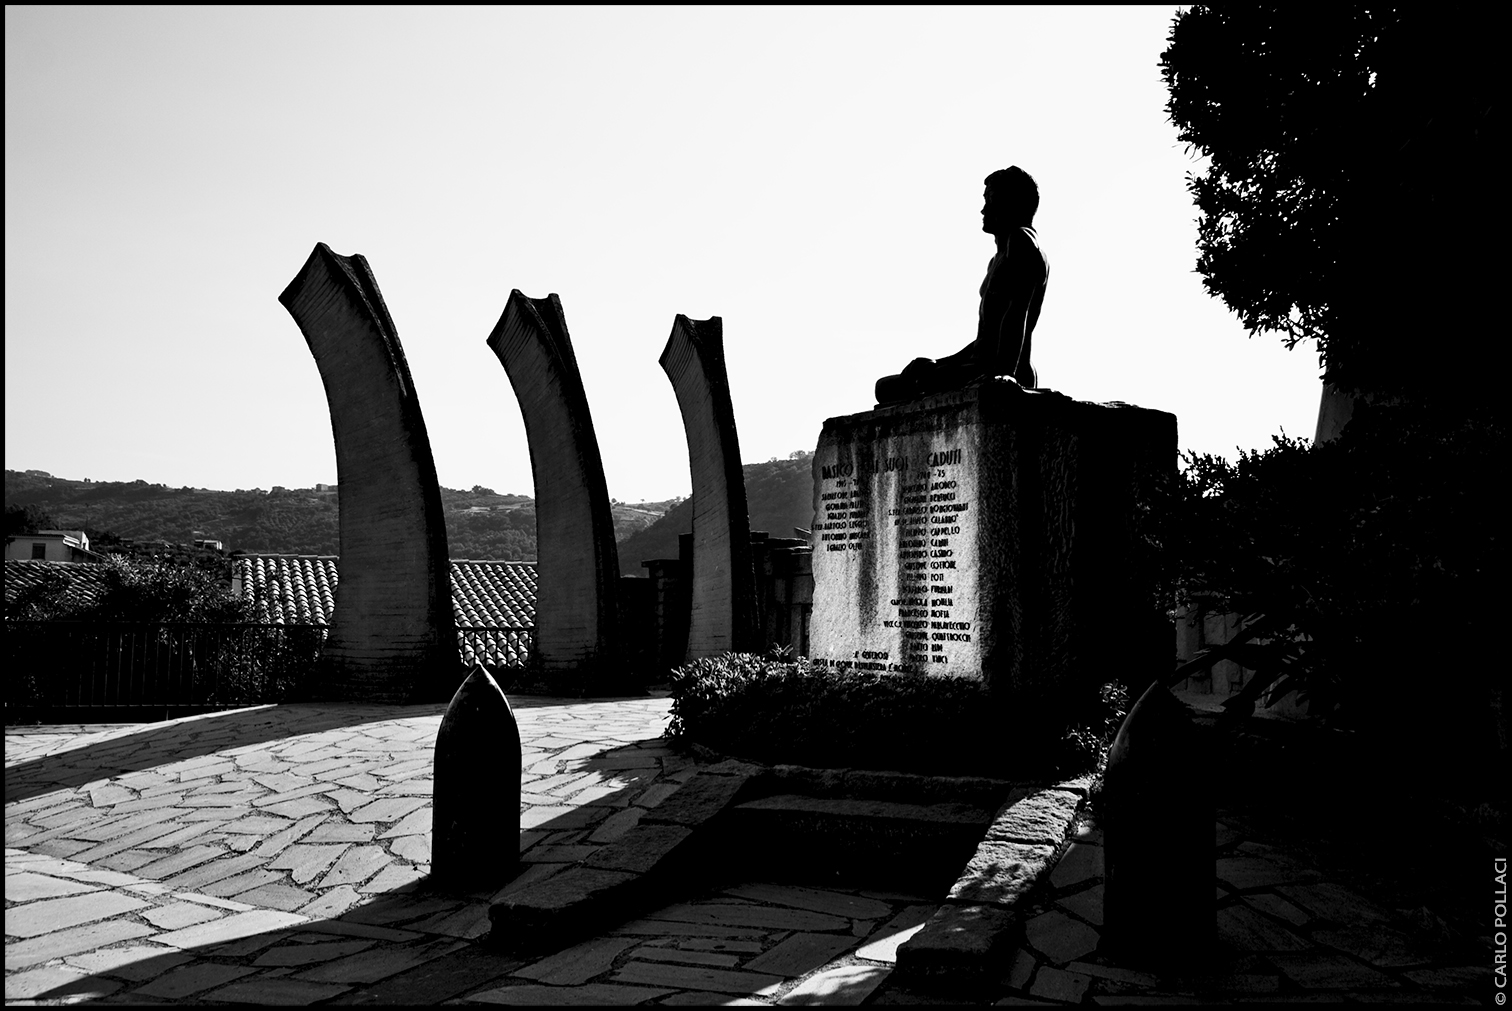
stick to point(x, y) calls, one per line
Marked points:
point(392, 635)
point(979, 491)
point(476, 804)
point(1001, 872)
point(1041, 817)
point(577, 564)
point(723, 614)
point(959, 943)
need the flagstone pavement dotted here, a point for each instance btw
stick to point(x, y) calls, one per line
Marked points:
point(278, 855)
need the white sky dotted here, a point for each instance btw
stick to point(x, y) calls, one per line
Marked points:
point(812, 176)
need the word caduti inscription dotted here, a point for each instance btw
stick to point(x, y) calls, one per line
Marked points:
point(900, 524)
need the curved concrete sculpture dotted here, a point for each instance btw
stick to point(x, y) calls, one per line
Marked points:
point(723, 616)
point(392, 636)
point(577, 565)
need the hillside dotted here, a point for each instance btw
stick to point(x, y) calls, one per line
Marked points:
point(479, 523)
point(779, 497)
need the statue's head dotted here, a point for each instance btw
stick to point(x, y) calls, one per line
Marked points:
point(1010, 200)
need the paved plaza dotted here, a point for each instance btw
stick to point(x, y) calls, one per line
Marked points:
point(279, 855)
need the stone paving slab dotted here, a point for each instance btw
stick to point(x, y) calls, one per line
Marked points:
point(104, 907)
point(228, 859)
point(1285, 935)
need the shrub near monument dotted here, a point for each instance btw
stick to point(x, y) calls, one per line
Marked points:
point(783, 711)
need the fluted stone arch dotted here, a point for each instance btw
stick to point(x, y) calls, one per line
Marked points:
point(723, 615)
point(392, 636)
point(577, 564)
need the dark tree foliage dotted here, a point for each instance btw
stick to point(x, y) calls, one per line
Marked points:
point(27, 519)
point(135, 590)
point(1379, 558)
point(1350, 197)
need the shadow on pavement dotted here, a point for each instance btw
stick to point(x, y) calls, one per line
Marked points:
point(132, 749)
point(393, 949)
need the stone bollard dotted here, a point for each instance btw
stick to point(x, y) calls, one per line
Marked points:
point(475, 827)
point(1157, 816)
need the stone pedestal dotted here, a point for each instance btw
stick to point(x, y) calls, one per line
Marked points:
point(995, 533)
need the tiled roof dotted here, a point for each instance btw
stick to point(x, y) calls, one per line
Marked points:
point(301, 590)
point(499, 596)
point(85, 579)
point(493, 594)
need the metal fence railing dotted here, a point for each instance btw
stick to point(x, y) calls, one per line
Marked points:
point(112, 665)
point(95, 665)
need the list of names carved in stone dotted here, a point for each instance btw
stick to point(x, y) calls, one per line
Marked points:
point(912, 506)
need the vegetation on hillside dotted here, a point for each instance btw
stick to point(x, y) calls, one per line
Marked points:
point(779, 498)
point(480, 523)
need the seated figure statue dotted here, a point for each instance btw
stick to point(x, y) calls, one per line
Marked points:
point(1012, 293)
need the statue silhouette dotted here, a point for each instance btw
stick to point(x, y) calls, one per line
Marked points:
point(1012, 293)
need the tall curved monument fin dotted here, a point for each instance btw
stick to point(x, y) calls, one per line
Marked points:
point(393, 635)
point(577, 564)
point(723, 615)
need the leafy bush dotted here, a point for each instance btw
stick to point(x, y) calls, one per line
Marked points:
point(1372, 560)
point(779, 711)
point(199, 636)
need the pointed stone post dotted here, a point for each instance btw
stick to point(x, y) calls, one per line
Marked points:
point(475, 815)
point(393, 635)
point(1157, 819)
point(723, 611)
point(577, 564)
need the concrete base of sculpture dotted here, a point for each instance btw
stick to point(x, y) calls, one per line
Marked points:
point(993, 532)
point(475, 825)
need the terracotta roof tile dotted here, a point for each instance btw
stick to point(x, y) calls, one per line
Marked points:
point(86, 580)
point(493, 602)
point(301, 590)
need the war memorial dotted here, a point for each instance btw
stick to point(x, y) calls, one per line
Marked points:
point(972, 530)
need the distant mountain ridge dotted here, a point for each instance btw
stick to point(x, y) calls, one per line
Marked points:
point(779, 498)
point(480, 523)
